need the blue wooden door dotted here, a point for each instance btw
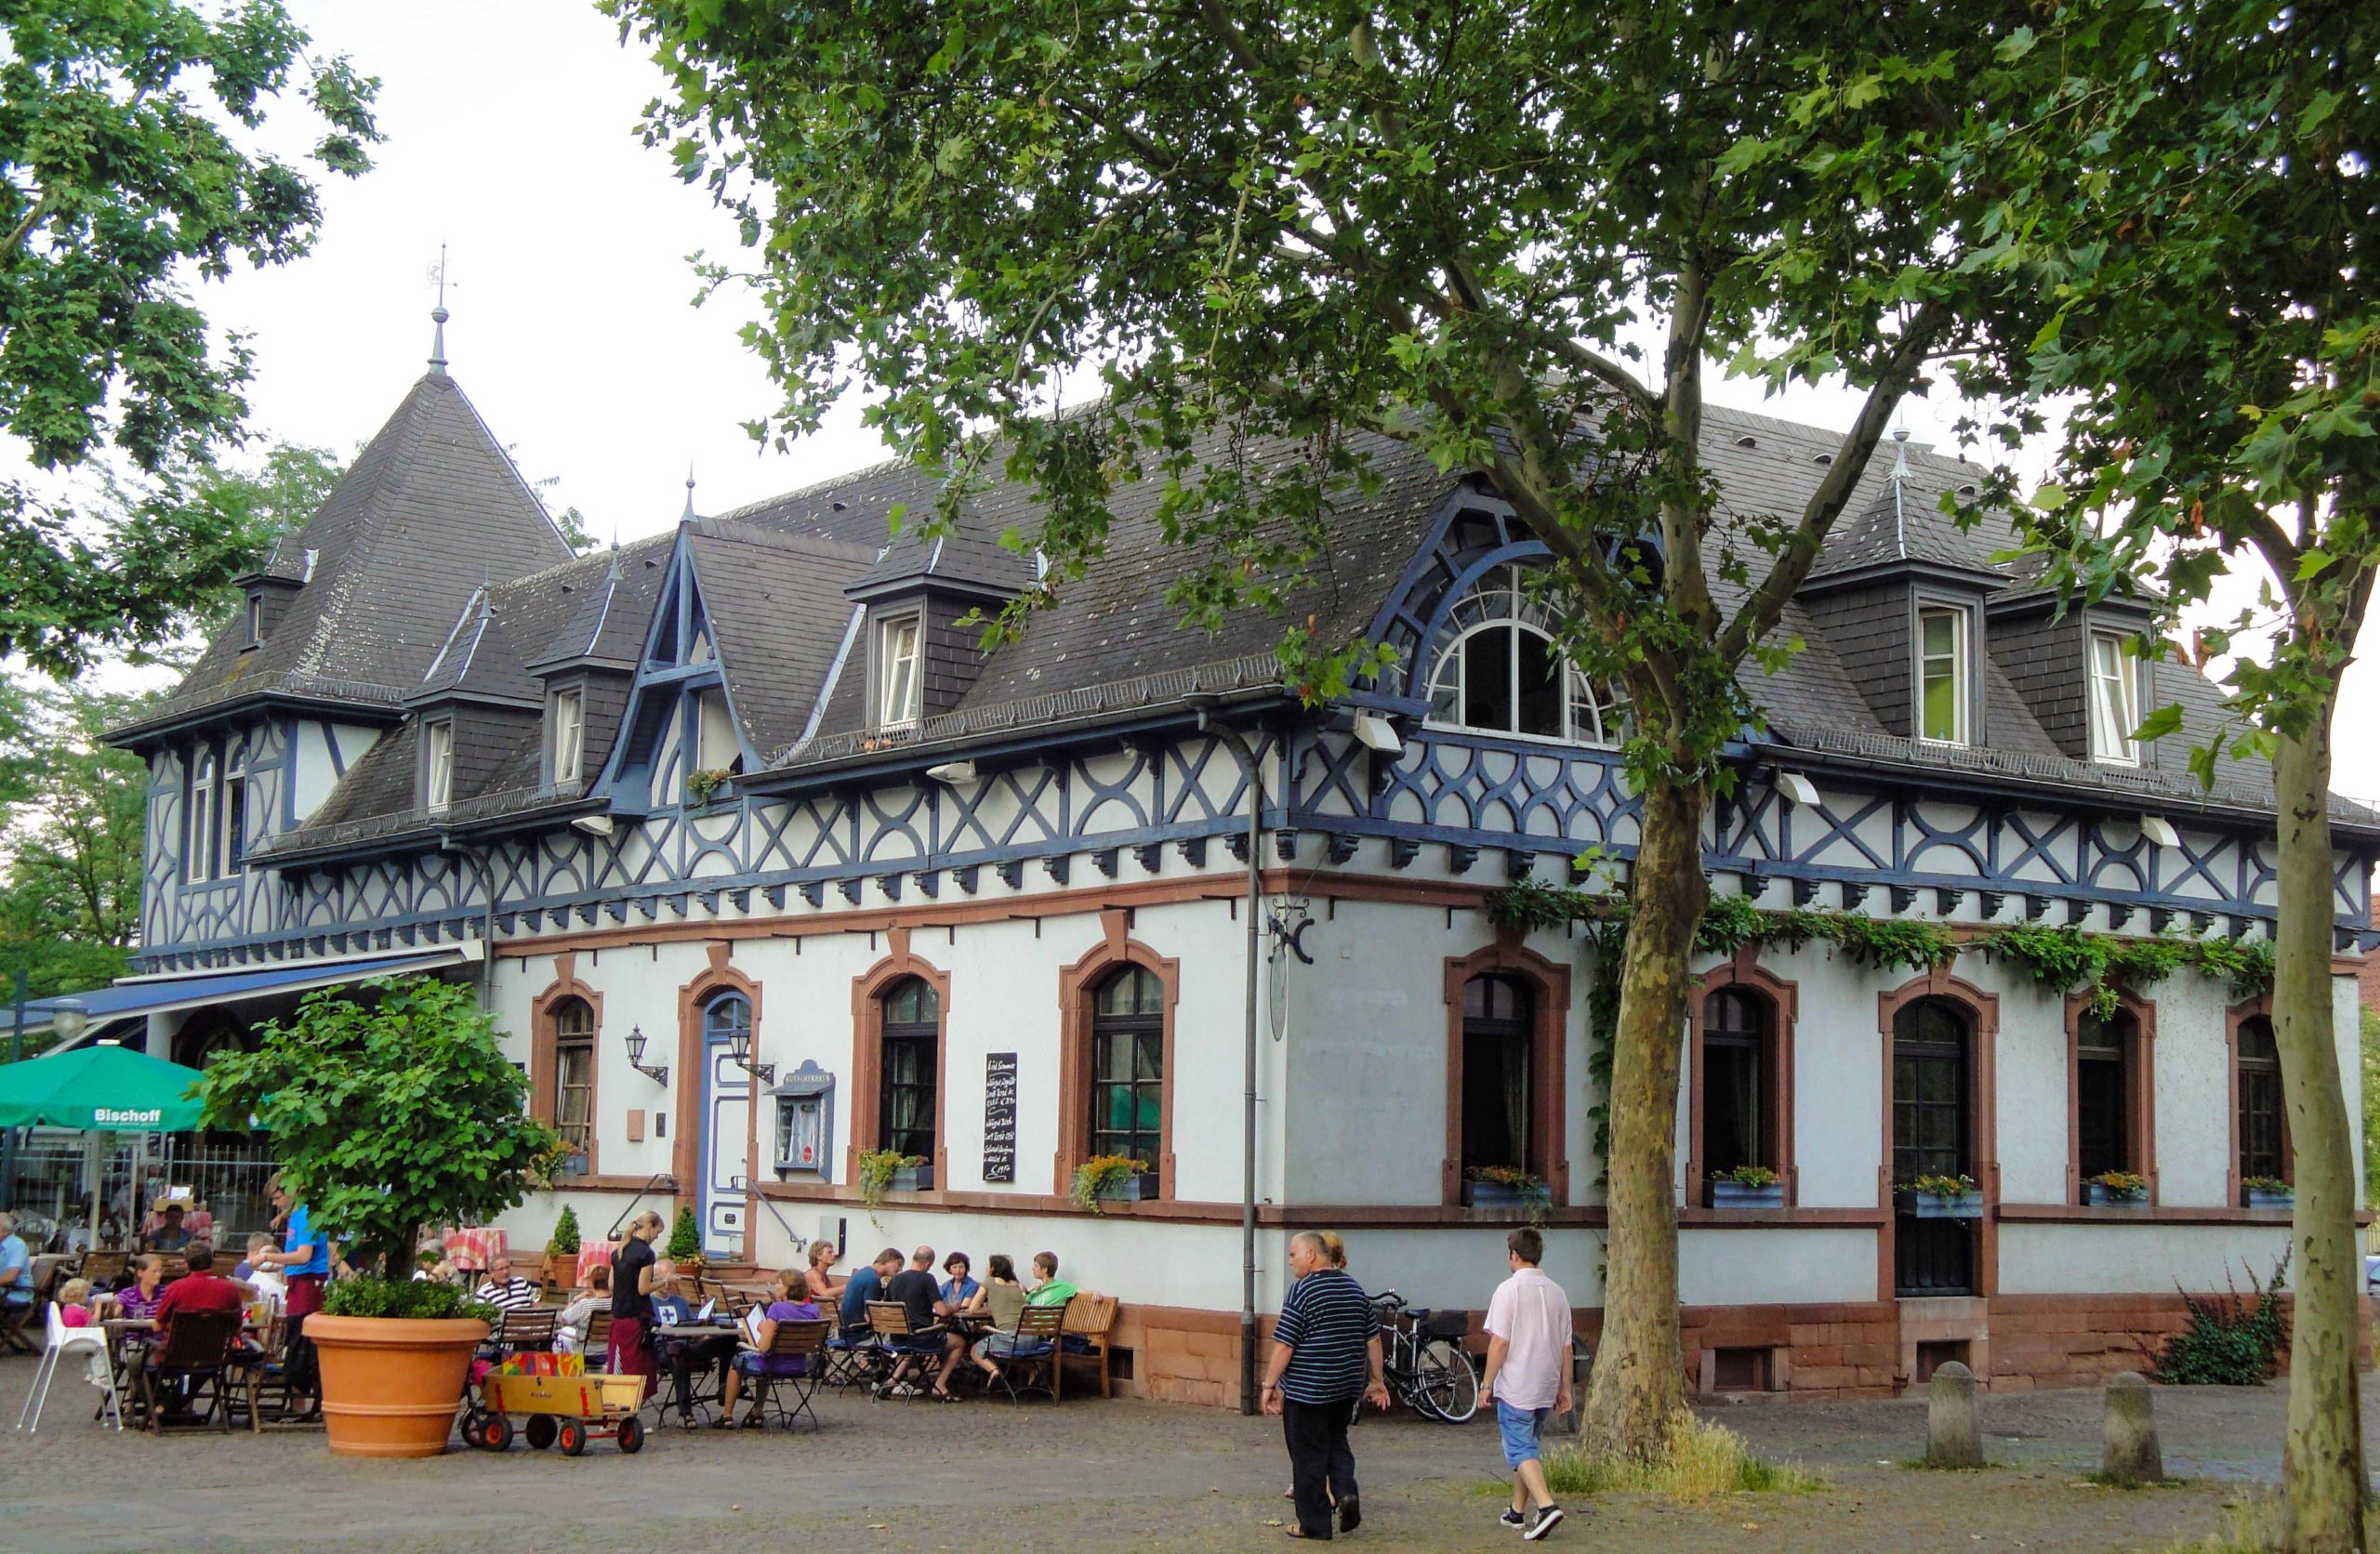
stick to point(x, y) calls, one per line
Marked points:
point(727, 1103)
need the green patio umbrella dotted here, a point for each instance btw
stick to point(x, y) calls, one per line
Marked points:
point(107, 1089)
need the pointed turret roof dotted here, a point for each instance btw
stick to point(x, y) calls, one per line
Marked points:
point(431, 510)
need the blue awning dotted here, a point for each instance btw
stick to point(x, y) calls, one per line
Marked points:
point(144, 996)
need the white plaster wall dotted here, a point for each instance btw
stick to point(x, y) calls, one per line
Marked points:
point(2193, 1094)
point(1742, 1267)
point(2132, 1259)
point(2032, 1095)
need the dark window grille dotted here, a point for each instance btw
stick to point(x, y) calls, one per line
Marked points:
point(906, 1092)
point(2264, 1148)
point(1738, 1052)
point(1128, 1066)
point(1932, 1138)
point(1498, 1082)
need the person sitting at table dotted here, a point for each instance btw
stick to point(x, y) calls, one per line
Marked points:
point(788, 1301)
point(570, 1328)
point(75, 1303)
point(508, 1291)
point(867, 1283)
point(202, 1289)
point(999, 1301)
point(1048, 1288)
point(958, 1291)
point(824, 1285)
point(919, 1293)
point(685, 1354)
point(168, 1233)
point(139, 1298)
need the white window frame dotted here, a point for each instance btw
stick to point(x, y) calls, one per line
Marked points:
point(198, 851)
point(568, 722)
point(1581, 699)
point(2115, 701)
point(716, 748)
point(1961, 676)
point(235, 783)
point(437, 765)
point(900, 641)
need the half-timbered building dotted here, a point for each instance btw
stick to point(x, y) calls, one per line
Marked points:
point(764, 865)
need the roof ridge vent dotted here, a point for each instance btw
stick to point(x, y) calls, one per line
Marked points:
point(1747, 440)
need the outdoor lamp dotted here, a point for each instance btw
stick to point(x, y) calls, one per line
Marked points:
point(739, 1052)
point(636, 1058)
point(67, 1017)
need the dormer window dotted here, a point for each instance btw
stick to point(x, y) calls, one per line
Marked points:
point(716, 746)
point(897, 671)
point(1942, 675)
point(568, 721)
point(198, 850)
point(2115, 701)
point(1498, 670)
point(437, 765)
point(256, 618)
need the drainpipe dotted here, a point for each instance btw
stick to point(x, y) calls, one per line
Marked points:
point(1204, 704)
point(8, 1134)
point(447, 843)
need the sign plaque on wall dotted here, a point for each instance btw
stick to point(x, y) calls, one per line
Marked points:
point(1000, 1116)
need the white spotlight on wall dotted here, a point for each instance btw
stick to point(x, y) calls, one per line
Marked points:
point(1375, 733)
point(1798, 788)
point(594, 826)
point(2158, 829)
point(953, 772)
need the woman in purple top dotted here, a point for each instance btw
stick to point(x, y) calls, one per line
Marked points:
point(788, 1301)
point(139, 1298)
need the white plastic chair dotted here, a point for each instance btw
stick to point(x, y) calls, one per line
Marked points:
point(90, 1342)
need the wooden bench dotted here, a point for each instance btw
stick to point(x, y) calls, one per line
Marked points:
point(1092, 1317)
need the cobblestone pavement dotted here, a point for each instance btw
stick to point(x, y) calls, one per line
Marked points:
point(1090, 1474)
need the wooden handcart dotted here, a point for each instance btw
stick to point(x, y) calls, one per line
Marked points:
point(567, 1411)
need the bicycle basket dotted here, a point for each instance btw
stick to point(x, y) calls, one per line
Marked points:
point(1446, 1324)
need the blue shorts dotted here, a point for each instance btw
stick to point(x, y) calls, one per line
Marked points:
point(1520, 1428)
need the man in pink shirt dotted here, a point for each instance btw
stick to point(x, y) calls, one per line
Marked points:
point(1529, 1375)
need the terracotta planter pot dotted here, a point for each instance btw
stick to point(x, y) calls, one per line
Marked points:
point(562, 1270)
point(391, 1385)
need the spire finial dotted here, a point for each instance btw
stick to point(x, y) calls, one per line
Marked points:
point(688, 515)
point(438, 317)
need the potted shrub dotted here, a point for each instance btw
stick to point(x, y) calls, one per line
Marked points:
point(1108, 1178)
point(1504, 1187)
point(390, 1109)
point(1941, 1197)
point(2266, 1192)
point(2116, 1189)
point(561, 1251)
point(684, 1247)
point(1747, 1187)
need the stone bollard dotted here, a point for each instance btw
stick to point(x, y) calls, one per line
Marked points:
point(2130, 1433)
point(1953, 1437)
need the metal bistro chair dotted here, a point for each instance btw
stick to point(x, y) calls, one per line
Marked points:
point(198, 1355)
point(905, 1345)
point(91, 1344)
point(1031, 1363)
point(856, 1356)
point(807, 1342)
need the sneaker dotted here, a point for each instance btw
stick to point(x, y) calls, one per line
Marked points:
point(1547, 1520)
point(1514, 1519)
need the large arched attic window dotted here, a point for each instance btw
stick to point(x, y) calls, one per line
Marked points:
point(1495, 669)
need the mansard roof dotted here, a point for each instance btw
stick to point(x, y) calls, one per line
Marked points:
point(431, 508)
point(777, 613)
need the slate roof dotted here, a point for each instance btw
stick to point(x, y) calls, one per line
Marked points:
point(777, 579)
point(431, 508)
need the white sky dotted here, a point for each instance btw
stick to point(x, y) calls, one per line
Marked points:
point(510, 139)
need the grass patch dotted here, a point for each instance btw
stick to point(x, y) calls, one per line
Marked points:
point(1699, 1462)
point(2249, 1526)
point(2100, 1480)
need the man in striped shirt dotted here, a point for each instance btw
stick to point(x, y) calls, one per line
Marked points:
point(1326, 1355)
point(508, 1291)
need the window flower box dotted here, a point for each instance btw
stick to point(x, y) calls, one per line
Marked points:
point(1939, 1198)
point(911, 1179)
point(1726, 1194)
point(1504, 1189)
point(2265, 1192)
point(2116, 1189)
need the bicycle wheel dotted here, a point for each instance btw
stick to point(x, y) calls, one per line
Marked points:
point(1445, 1387)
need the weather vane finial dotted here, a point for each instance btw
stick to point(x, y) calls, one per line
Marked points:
point(438, 317)
point(689, 516)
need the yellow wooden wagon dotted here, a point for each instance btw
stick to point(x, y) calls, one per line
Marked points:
point(567, 1411)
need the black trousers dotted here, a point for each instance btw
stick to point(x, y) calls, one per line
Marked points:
point(1321, 1467)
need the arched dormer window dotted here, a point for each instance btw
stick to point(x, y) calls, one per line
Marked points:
point(1495, 669)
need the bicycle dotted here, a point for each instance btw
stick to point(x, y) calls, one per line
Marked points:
point(1422, 1359)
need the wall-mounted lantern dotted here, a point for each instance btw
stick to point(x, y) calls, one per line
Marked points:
point(636, 1058)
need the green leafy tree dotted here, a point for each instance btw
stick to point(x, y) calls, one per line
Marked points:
point(388, 1111)
point(125, 173)
point(71, 819)
point(2220, 334)
point(1508, 237)
point(2371, 1106)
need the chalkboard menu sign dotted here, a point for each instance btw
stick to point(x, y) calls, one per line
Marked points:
point(1000, 1116)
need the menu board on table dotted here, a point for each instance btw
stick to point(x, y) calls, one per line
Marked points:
point(1000, 1116)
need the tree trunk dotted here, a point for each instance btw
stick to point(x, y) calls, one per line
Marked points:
point(2323, 1476)
point(1639, 1381)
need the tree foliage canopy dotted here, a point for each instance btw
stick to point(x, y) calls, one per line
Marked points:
point(125, 173)
point(388, 1111)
